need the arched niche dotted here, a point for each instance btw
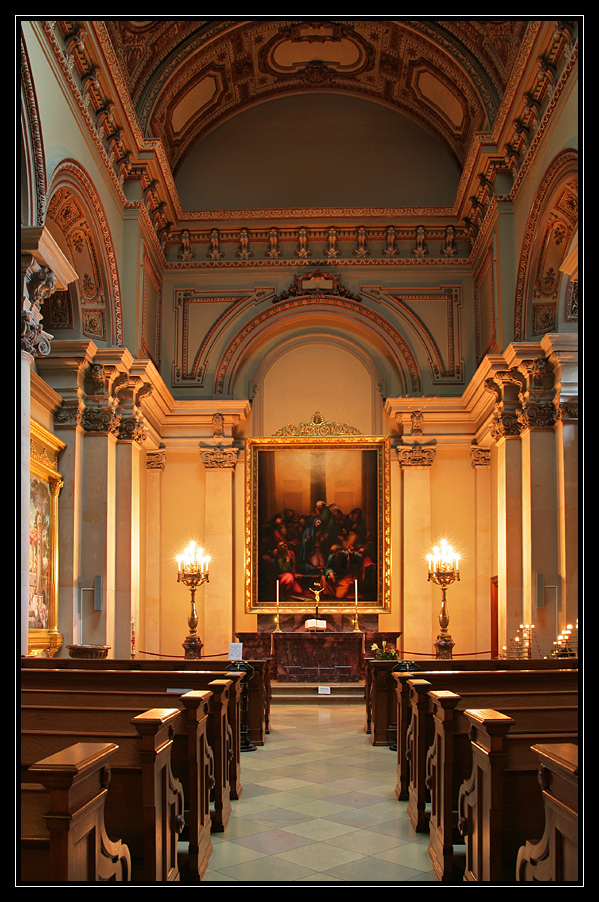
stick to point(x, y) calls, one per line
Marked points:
point(552, 225)
point(91, 308)
point(328, 373)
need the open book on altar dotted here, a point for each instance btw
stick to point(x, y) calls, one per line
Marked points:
point(312, 625)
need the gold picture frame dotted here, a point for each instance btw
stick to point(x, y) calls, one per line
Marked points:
point(45, 483)
point(304, 473)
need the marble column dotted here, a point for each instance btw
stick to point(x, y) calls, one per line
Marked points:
point(562, 353)
point(505, 430)
point(65, 371)
point(98, 535)
point(539, 504)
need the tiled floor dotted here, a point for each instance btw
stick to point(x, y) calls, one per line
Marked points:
point(319, 805)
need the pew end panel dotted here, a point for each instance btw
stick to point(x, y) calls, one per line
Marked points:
point(554, 858)
point(63, 833)
point(500, 806)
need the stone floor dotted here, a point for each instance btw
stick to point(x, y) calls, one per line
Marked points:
point(319, 806)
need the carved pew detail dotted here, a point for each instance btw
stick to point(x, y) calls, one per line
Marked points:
point(463, 682)
point(63, 834)
point(554, 859)
point(449, 757)
point(500, 806)
point(145, 803)
point(151, 681)
point(191, 759)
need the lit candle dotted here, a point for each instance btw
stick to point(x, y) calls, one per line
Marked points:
point(277, 593)
point(356, 589)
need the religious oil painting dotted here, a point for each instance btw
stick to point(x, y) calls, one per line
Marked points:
point(317, 524)
point(45, 483)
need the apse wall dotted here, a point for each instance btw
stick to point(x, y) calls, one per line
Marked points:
point(317, 151)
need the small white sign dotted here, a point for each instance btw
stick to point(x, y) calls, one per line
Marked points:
point(324, 690)
point(235, 651)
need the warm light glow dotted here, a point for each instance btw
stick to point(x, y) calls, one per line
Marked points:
point(443, 558)
point(193, 560)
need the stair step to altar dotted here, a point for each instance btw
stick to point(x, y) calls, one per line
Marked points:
point(316, 693)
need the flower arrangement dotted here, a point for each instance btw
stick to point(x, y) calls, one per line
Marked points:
point(386, 653)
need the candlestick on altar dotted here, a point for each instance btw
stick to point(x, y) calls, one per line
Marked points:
point(443, 570)
point(132, 637)
point(192, 571)
point(356, 624)
point(277, 620)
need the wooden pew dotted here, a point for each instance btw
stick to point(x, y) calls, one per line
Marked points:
point(449, 757)
point(192, 761)
point(258, 680)
point(460, 681)
point(158, 681)
point(63, 833)
point(145, 802)
point(554, 858)
point(499, 806)
point(381, 720)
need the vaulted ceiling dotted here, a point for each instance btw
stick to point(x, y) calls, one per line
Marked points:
point(186, 77)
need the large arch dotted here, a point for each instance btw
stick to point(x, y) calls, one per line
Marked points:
point(321, 314)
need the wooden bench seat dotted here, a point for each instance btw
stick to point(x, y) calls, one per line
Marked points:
point(63, 832)
point(192, 760)
point(379, 684)
point(258, 680)
point(464, 682)
point(145, 803)
point(499, 806)
point(449, 758)
point(554, 858)
point(166, 681)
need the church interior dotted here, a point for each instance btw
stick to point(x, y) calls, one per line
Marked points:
point(299, 349)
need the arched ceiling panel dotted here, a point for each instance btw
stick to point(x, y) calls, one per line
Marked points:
point(187, 77)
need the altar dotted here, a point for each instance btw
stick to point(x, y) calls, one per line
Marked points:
point(318, 657)
point(333, 655)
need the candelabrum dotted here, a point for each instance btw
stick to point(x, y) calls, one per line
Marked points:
point(192, 571)
point(443, 570)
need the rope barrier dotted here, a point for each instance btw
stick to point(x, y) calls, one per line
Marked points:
point(423, 654)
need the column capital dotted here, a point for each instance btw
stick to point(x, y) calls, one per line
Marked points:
point(416, 455)
point(479, 457)
point(219, 457)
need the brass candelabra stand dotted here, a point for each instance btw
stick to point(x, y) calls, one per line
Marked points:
point(443, 570)
point(192, 571)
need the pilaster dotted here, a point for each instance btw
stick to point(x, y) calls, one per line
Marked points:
point(419, 624)
point(219, 458)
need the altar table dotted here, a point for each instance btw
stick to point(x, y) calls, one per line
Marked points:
point(318, 657)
